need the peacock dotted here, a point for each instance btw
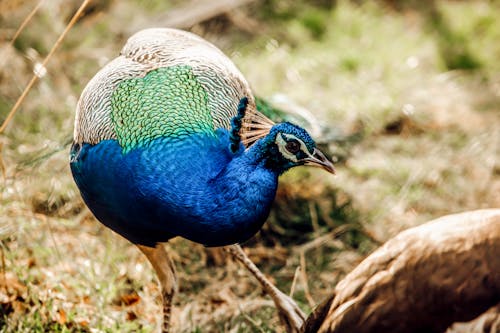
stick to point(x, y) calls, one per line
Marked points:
point(425, 279)
point(168, 142)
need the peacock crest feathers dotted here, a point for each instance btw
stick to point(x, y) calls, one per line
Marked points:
point(165, 83)
point(255, 126)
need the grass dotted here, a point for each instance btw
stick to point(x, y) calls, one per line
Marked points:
point(420, 85)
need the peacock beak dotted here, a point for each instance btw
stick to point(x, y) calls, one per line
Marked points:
point(318, 159)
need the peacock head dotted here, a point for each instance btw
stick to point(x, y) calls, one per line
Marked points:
point(288, 145)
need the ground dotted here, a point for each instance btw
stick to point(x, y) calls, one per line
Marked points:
point(414, 89)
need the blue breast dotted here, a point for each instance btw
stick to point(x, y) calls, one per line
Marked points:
point(195, 188)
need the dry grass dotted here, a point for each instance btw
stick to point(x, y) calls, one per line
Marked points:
point(430, 147)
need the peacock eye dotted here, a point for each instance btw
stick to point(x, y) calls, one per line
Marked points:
point(293, 146)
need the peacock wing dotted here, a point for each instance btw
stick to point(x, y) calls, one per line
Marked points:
point(165, 83)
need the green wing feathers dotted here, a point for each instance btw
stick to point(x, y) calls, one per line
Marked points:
point(165, 83)
point(167, 102)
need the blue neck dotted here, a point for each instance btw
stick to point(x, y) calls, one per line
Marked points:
point(225, 205)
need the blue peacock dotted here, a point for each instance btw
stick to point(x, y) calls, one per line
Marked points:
point(168, 141)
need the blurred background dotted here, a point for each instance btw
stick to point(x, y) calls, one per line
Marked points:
point(405, 95)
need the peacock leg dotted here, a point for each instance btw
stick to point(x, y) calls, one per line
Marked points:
point(289, 313)
point(165, 270)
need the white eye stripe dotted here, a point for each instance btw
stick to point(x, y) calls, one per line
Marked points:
point(302, 144)
point(281, 143)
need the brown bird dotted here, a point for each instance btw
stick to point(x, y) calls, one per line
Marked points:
point(423, 280)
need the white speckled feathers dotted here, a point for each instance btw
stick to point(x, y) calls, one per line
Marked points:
point(151, 49)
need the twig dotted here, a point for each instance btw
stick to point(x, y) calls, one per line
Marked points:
point(4, 278)
point(250, 320)
point(314, 216)
point(25, 22)
point(294, 281)
point(2, 164)
point(303, 278)
point(44, 62)
point(321, 240)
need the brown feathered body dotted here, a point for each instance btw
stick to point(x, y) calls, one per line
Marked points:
point(422, 280)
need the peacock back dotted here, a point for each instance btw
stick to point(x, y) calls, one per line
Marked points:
point(165, 83)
